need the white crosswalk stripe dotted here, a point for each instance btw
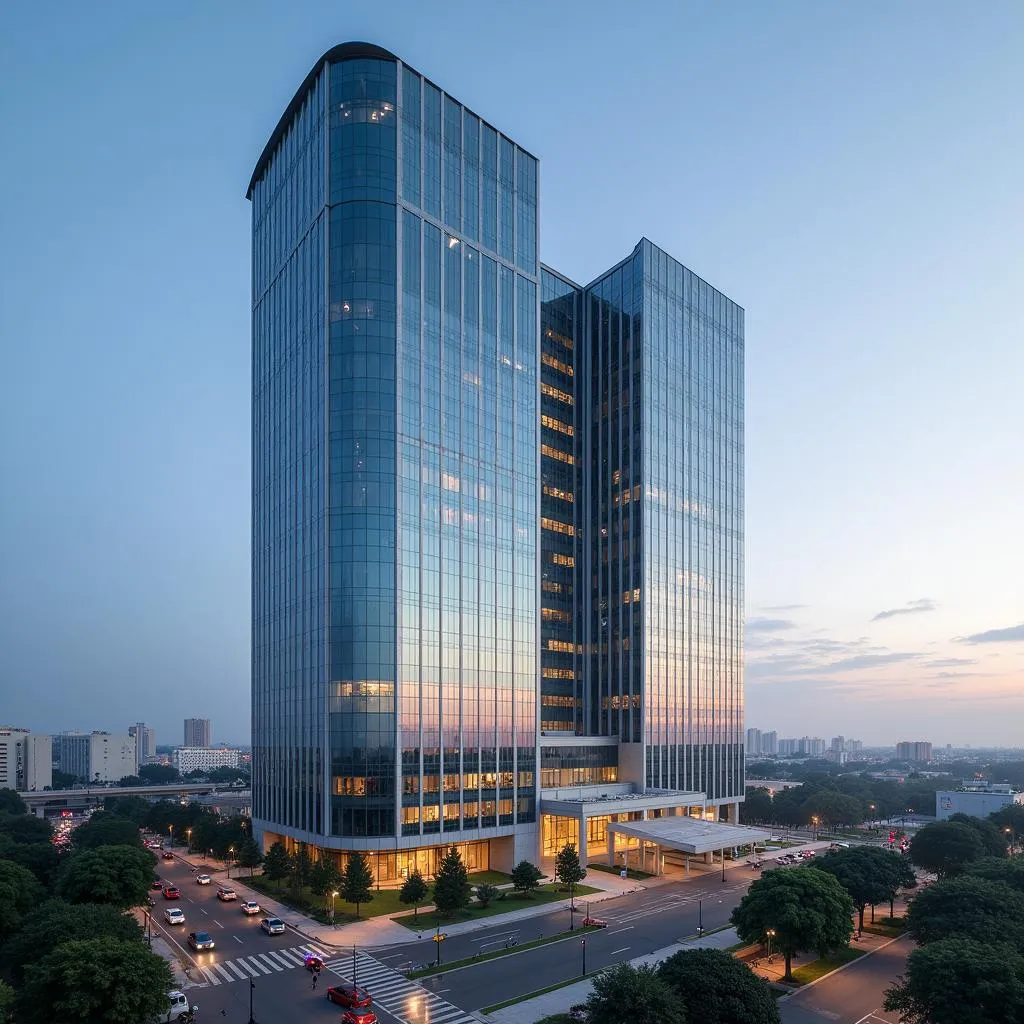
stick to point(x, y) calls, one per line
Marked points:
point(407, 1001)
point(245, 967)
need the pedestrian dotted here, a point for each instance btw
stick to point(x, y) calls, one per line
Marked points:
point(315, 976)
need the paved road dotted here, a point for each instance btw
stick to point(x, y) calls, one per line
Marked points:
point(853, 995)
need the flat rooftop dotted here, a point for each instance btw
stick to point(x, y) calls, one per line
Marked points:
point(690, 835)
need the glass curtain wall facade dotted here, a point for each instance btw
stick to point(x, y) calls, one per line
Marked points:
point(665, 539)
point(395, 466)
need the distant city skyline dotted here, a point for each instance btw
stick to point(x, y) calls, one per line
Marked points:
point(849, 171)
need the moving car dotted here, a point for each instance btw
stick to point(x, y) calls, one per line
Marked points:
point(594, 922)
point(167, 855)
point(250, 907)
point(156, 884)
point(350, 996)
point(225, 892)
point(201, 940)
point(363, 1015)
point(203, 879)
point(272, 925)
point(172, 892)
point(174, 915)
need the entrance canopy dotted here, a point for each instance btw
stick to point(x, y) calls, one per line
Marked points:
point(689, 835)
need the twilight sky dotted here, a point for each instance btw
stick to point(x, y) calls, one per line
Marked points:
point(849, 173)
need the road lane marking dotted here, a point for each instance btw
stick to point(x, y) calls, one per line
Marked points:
point(273, 955)
point(224, 971)
point(237, 939)
point(206, 912)
point(210, 976)
point(256, 963)
point(240, 962)
point(619, 931)
point(273, 963)
point(234, 966)
point(623, 950)
point(217, 923)
point(296, 959)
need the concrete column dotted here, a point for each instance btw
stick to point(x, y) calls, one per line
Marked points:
point(733, 813)
point(687, 865)
point(611, 848)
point(582, 847)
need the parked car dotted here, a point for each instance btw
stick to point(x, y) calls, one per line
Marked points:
point(594, 922)
point(250, 907)
point(363, 1015)
point(203, 879)
point(174, 915)
point(201, 940)
point(350, 996)
point(178, 1005)
point(225, 892)
point(172, 892)
point(272, 925)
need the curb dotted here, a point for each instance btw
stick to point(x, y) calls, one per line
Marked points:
point(832, 974)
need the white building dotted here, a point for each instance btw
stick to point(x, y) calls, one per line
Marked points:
point(97, 756)
point(145, 737)
point(190, 759)
point(979, 801)
point(26, 760)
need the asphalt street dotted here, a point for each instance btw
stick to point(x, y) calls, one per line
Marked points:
point(853, 995)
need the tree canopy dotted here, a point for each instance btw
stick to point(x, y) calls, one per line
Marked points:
point(357, 880)
point(638, 994)
point(96, 981)
point(526, 877)
point(277, 863)
point(451, 884)
point(11, 802)
point(25, 828)
point(806, 908)
point(856, 871)
point(106, 829)
point(20, 892)
point(991, 835)
point(968, 907)
point(414, 891)
point(956, 980)
point(999, 869)
point(716, 988)
point(946, 847)
point(158, 774)
point(568, 869)
point(118, 875)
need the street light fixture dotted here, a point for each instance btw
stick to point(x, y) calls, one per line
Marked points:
point(334, 896)
point(188, 837)
point(771, 935)
point(170, 829)
point(584, 941)
point(231, 859)
point(700, 918)
point(814, 822)
point(1013, 839)
point(252, 986)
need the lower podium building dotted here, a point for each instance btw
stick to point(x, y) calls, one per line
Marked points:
point(497, 527)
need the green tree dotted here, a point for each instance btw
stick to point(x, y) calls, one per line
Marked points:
point(64, 780)
point(640, 989)
point(20, 891)
point(451, 884)
point(715, 988)
point(968, 907)
point(302, 867)
point(946, 848)
point(7, 1000)
point(832, 808)
point(568, 870)
point(414, 891)
point(129, 781)
point(158, 774)
point(957, 980)
point(105, 829)
point(11, 802)
point(95, 981)
point(134, 808)
point(25, 828)
point(857, 872)
point(41, 859)
point(277, 864)
point(118, 875)
point(248, 855)
point(357, 881)
point(991, 835)
point(894, 873)
point(324, 878)
point(485, 893)
point(806, 908)
point(227, 775)
point(1011, 816)
point(996, 869)
point(526, 877)
point(56, 922)
point(756, 808)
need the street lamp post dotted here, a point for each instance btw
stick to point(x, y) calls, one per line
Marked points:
point(231, 859)
point(252, 986)
point(584, 941)
point(1013, 838)
point(700, 918)
point(771, 935)
point(871, 807)
point(814, 822)
point(170, 829)
point(188, 839)
point(723, 863)
point(334, 896)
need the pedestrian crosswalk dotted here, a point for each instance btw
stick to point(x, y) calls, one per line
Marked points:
point(407, 1001)
point(242, 968)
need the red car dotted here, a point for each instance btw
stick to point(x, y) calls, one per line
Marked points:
point(349, 996)
point(172, 892)
point(166, 855)
point(594, 922)
point(156, 884)
point(360, 1016)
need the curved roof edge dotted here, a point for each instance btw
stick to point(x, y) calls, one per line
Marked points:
point(343, 51)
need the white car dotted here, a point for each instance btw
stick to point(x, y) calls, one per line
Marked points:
point(173, 915)
point(203, 879)
point(272, 926)
point(250, 907)
point(177, 1005)
point(225, 892)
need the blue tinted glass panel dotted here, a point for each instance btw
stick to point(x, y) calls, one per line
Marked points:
point(431, 149)
point(412, 133)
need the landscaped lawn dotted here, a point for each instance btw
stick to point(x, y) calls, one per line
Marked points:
point(819, 968)
point(383, 902)
point(550, 893)
point(609, 870)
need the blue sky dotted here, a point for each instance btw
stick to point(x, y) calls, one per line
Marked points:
point(849, 173)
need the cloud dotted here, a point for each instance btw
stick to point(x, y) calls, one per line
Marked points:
point(924, 604)
point(951, 662)
point(859, 661)
point(1011, 634)
point(761, 625)
point(782, 607)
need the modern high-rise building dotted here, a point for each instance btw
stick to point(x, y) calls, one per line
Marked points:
point(913, 750)
point(497, 515)
point(197, 732)
point(753, 743)
point(145, 739)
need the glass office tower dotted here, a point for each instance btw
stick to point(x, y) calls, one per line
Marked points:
point(395, 473)
point(497, 531)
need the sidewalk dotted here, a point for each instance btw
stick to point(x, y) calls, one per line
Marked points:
point(384, 931)
point(562, 999)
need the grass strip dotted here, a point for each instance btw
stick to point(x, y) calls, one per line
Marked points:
point(634, 873)
point(826, 965)
point(480, 958)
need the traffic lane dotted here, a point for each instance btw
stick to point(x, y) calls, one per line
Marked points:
point(284, 996)
point(505, 977)
point(653, 903)
point(853, 995)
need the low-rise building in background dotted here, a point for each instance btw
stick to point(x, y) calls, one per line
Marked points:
point(978, 799)
point(205, 759)
point(26, 760)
